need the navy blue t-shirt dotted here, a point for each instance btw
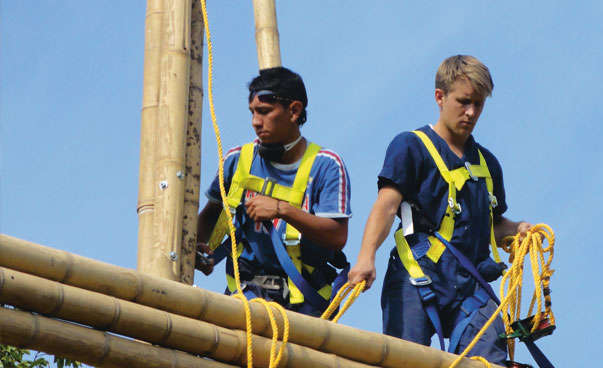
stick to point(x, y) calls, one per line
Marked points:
point(409, 168)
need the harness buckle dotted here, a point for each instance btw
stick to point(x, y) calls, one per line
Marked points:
point(420, 281)
point(456, 207)
point(291, 242)
point(493, 200)
point(271, 282)
point(468, 167)
point(268, 186)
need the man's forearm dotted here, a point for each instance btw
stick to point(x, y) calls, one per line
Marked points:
point(328, 232)
point(207, 220)
point(376, 230)
point(505, 227)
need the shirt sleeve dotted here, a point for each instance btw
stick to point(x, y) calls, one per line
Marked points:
point(230, 164)
point(401, 165)
point(331, 188)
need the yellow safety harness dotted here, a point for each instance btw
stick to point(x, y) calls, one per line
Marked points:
point(456, 180)
point(242, 180)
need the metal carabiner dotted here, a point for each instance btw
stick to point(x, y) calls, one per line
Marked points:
point(456, 207)
point(493, 200)
point(468, 167)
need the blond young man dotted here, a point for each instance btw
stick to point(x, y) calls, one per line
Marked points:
point(440, 294)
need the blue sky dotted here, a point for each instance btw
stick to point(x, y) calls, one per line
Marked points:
point(71, 92)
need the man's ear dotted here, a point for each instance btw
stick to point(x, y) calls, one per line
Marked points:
point(295, 109)
point(439, 97)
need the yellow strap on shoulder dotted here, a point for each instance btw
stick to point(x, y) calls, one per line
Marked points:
point(300, 183)
point(243, 180)
point(235, 194)
point(493, 203)
point(456, 179)
point(292, 235)
point(447, 225)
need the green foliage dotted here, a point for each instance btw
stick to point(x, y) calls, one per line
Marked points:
point(11, 357)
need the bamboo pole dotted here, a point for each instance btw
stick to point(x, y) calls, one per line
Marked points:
point(192, 176)
point(367, 347)
point(89, 346)
point(266, 34)
point(51, 298)
point(150, 103)
point(170, 142)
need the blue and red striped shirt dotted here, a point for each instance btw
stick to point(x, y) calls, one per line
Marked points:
point(327, 195)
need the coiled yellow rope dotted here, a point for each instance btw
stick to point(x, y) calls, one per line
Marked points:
point(518, 249)
point(532, 244)
point(274, 356)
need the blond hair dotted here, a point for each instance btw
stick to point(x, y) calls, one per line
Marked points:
point(464, 67)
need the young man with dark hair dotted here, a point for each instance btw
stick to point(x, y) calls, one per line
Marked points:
point(448, 192)
point(290, 200)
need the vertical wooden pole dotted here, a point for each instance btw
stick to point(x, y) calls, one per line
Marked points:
point(169, 171)
point(193, 147)
point(150, 103)
point(266, 34)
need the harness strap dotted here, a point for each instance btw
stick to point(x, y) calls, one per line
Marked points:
point(242, 180)
point(468, 309)
point(456, 180)
point(538, 355)
point(421, 281)
point(295, 277)
point(468, 265)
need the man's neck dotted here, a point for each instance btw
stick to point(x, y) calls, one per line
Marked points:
point(295, 153)
point(455, 142)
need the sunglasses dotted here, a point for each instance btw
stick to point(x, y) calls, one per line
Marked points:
point(267, 96)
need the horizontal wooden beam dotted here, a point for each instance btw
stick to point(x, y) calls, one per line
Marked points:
point(96, 348)
point(152, 325)
point(221, 310)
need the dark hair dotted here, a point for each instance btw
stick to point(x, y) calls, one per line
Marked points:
point(283, 83)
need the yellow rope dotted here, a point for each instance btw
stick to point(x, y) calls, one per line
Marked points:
point(541, 271)
point(483, 360)
point(274, 357)
point(239, 294)
point(341, 294)
point(532, 244)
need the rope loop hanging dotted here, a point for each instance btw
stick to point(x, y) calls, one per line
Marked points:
point(543, 321)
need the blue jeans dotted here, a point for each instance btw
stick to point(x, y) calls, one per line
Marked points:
point(405, 318)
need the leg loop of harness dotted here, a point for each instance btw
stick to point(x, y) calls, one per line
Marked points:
point(467, 310)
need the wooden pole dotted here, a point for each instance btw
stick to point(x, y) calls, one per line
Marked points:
point(192, 176)
point(169, 168)
point(150, 104)
point(152, 325)
point(89, 346)
point(266, 34)
point(362, 346)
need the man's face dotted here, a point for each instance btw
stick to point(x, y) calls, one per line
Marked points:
point(272, 122)
point(460, 107)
